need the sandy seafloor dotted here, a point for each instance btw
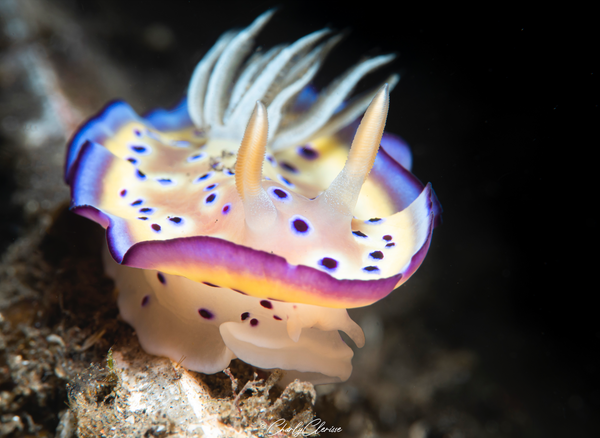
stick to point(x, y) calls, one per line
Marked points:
point(494, 336)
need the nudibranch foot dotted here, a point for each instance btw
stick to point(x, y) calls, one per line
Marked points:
point(209, 326)
point(242, 223)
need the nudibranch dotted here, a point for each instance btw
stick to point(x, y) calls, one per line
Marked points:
point(240, 224)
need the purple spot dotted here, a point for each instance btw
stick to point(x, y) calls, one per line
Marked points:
point(226, 208)
point(371, 269)
point(156, 227)
point(203, 177)
point(328, 263)
point(210, 187)
point(146, 210)
point(138, 202)
point(145, 300)
point(177, 220)
point(198, 133)
point(210, 198)
point(271, 160)
point(387, 237)
point(123, 192)
point(210, 284)
point(206, 314)
point(307, 152)
point(299, 224)
point(288, 167)
point(276, 317)
point(141, 174)
point(137, 132)
point(266, 304)
point(132, 160)
point(389, 245)
point(245, 316)
point(285, 181)
point(359, 233)
point(144, 218)
point(254, 322)
point(164, 181)
point(280, 193)
point(377, 255)
point(195, 157)
point(139, 149)
point(161, 278)
point(229, 172)
point(374, 219)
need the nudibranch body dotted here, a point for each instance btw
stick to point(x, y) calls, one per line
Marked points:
point(239, 224)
